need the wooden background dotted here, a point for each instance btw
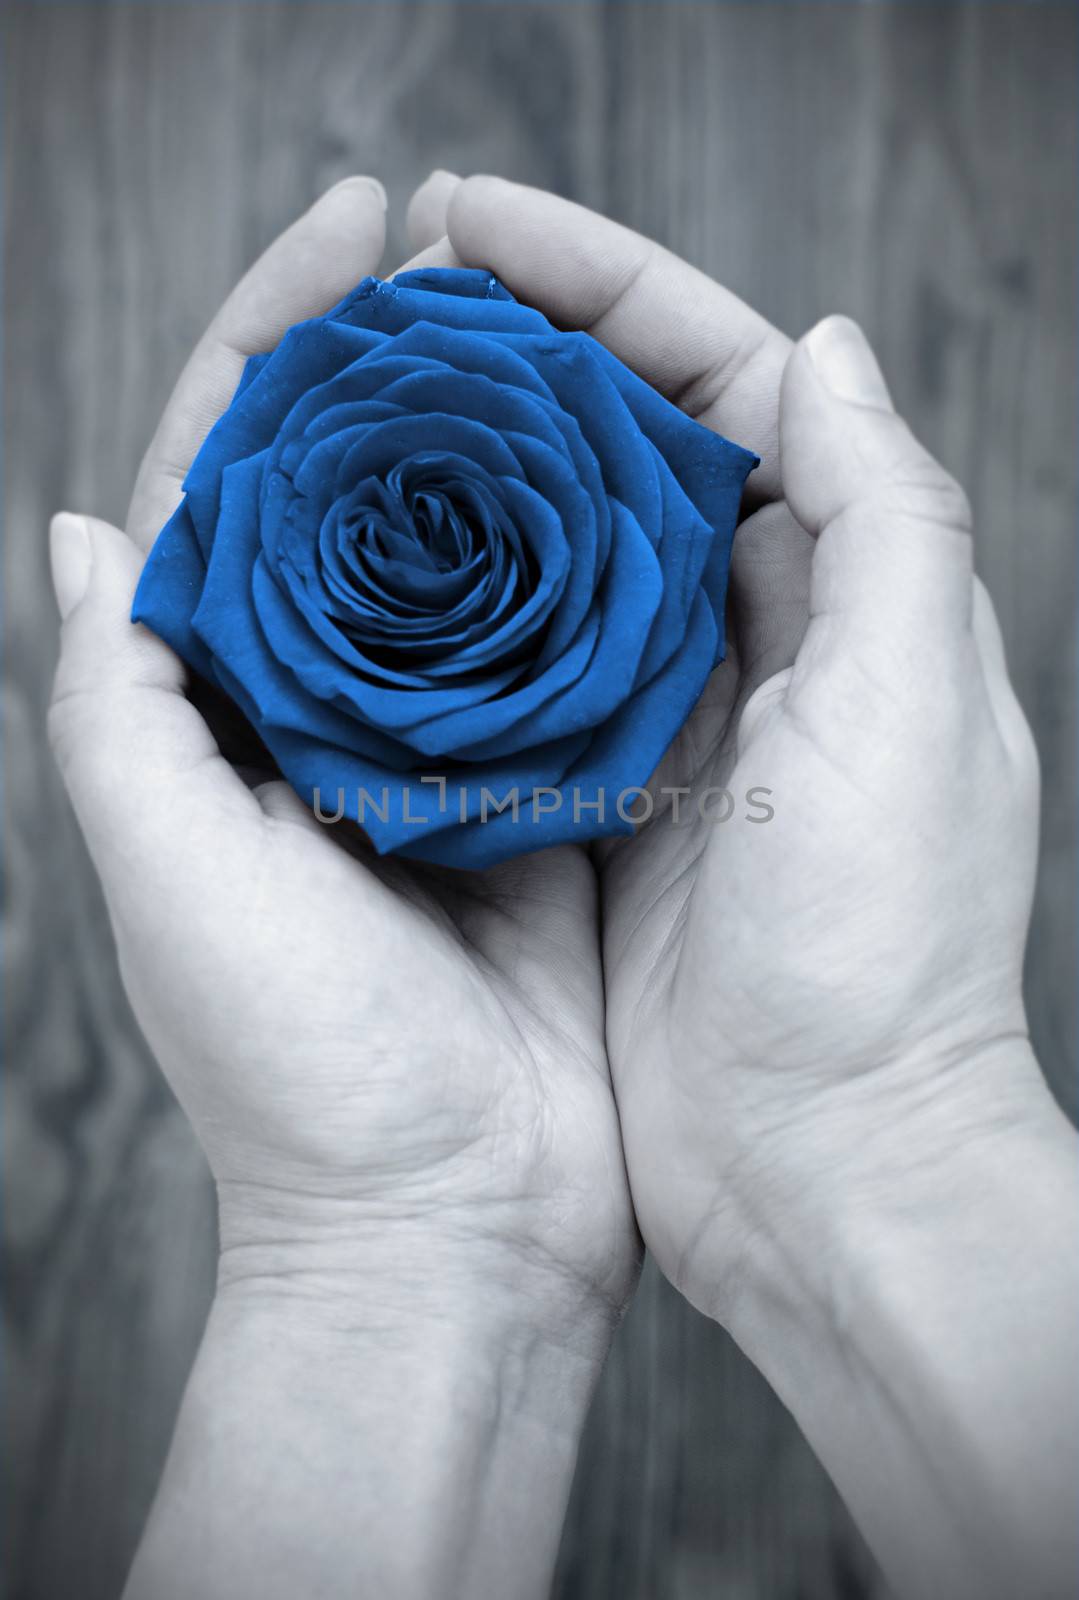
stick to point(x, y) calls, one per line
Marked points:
point(913, 165)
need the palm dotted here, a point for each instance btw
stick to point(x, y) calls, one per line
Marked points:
point(522, 941)
point(392, 1031)
point(684, 1025)
point(519, 948)
point(648, 881)
point(673, 876)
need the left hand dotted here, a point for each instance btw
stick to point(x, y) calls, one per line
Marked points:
point(390, 1067)
point(398, 1076)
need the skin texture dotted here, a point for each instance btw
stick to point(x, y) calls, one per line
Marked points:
point(815, 1024)
point(836, 1137)
point(384, 1064)
point(866, 689)
point(449, 1026)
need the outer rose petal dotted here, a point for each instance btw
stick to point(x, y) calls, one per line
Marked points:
point(170, 587)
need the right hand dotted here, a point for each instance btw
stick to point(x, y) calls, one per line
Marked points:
point(838, 989)
point(838, 1140)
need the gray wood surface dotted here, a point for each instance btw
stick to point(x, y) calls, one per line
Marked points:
point(913, 165)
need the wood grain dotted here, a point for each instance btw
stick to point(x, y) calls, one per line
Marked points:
point(913, 165)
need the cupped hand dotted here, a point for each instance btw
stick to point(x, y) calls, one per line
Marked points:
point(817, 1000)
point(388, 1066)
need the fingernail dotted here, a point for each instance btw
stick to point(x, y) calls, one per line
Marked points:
point(350, 183)
point(380, 192)
point(70, 558)
point(846, 365)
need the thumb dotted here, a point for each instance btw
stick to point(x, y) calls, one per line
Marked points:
point(140, 765)
point(894, 559)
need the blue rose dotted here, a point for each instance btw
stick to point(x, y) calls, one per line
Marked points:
point(464, 573)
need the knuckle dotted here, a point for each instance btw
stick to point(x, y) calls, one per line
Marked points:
point(468, 202)
point(73, 722)
point(921, 490)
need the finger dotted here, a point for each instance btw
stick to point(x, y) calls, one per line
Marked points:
point(425, 220)
point(141, 767)
point(771, 568)
point(305, 272)
point(439, 254)
point(693, 340)
point(893, 561)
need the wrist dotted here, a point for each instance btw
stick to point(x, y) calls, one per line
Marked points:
point(371, 1412)
point(457, 1404)
point(899, 1152)
point(380, 1270)
point(491, 1339)
point(920, 1316)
